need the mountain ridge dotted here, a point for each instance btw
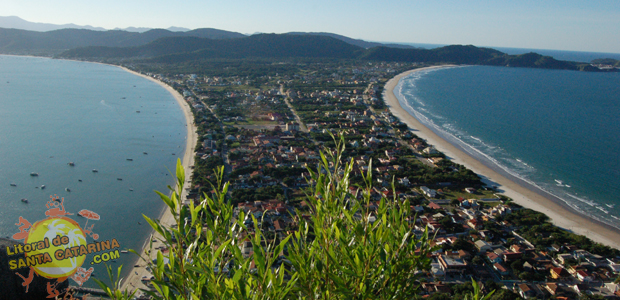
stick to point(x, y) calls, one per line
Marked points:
point(289, 46)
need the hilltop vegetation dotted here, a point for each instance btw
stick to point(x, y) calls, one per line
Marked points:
point(159, 46)
point(16, 41)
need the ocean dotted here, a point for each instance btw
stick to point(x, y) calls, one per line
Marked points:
point(557, 130)
point(128, 128)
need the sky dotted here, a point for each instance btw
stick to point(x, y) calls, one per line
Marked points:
point(559, 25)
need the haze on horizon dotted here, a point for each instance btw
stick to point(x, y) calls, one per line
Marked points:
point(559, 25)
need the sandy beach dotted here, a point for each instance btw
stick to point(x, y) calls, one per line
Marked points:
point(521, 192)
point(133, 280)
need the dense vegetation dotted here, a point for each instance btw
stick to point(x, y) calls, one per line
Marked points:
point(338, 253)
point(536, 228)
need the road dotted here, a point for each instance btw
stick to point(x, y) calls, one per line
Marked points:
point(302, 126)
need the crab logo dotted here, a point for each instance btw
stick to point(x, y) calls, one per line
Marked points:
point(56, 247)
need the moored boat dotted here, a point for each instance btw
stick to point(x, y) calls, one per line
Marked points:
point(13, 184)
point(24, 200)
point(95, 171)
point(34, 174)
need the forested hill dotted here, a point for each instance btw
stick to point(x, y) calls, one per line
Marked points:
point(175, 49)
point(17, 41)
point(164, 46)
point(283, 46)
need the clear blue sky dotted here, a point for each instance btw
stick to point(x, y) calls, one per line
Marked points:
point(563, 25)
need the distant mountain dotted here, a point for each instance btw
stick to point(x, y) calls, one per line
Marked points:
point(145, 29)
point(607, 61)
point(180, 49)
point(16, 41)
point(282, 46)
point(14, 22)
point(532, 60)
point(356, 42)
point(449, 54)
point(19, 23)
point(165, 46)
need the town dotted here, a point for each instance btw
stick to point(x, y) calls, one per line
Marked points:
point(267, 130)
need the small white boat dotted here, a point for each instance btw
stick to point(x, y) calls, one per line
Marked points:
point(34, 174)
point(95, 171)
point(43, 187)
point(13, 184)
point(67, 189)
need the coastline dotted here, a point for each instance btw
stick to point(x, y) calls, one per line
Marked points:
point(133, 279)
point(522, 193)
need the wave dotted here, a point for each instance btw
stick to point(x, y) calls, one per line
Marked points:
point(494, 154)
point(105, 104)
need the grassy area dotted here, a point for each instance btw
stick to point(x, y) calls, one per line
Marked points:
point(455, 194)
point(251, 122)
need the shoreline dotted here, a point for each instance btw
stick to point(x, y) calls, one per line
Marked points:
point(132, 281)
point(522, 193)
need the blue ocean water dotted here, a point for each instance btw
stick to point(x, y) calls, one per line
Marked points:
point(53, 112)
point(557, 130)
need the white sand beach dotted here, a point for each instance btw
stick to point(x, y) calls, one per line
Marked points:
point(529, 197)
point(133, 280)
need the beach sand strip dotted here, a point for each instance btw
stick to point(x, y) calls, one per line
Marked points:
point(522, 193)
point(134, 279)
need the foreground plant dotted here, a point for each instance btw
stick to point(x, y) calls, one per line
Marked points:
point(342, 250)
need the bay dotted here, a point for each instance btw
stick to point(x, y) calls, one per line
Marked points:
point(53, 112)
point(557, 130)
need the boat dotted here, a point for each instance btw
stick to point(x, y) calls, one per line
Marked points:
point(13, 184)
point(24, 200)
point(80, 180)
point(124, 251)
point(34, 174)
point(95, 171)
point(137, 111)
point(71, 163)
point(43, 187)
point(130, 159)
point(144, 153)
point(131, 190)
point(67, 189)
point(119, 179)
